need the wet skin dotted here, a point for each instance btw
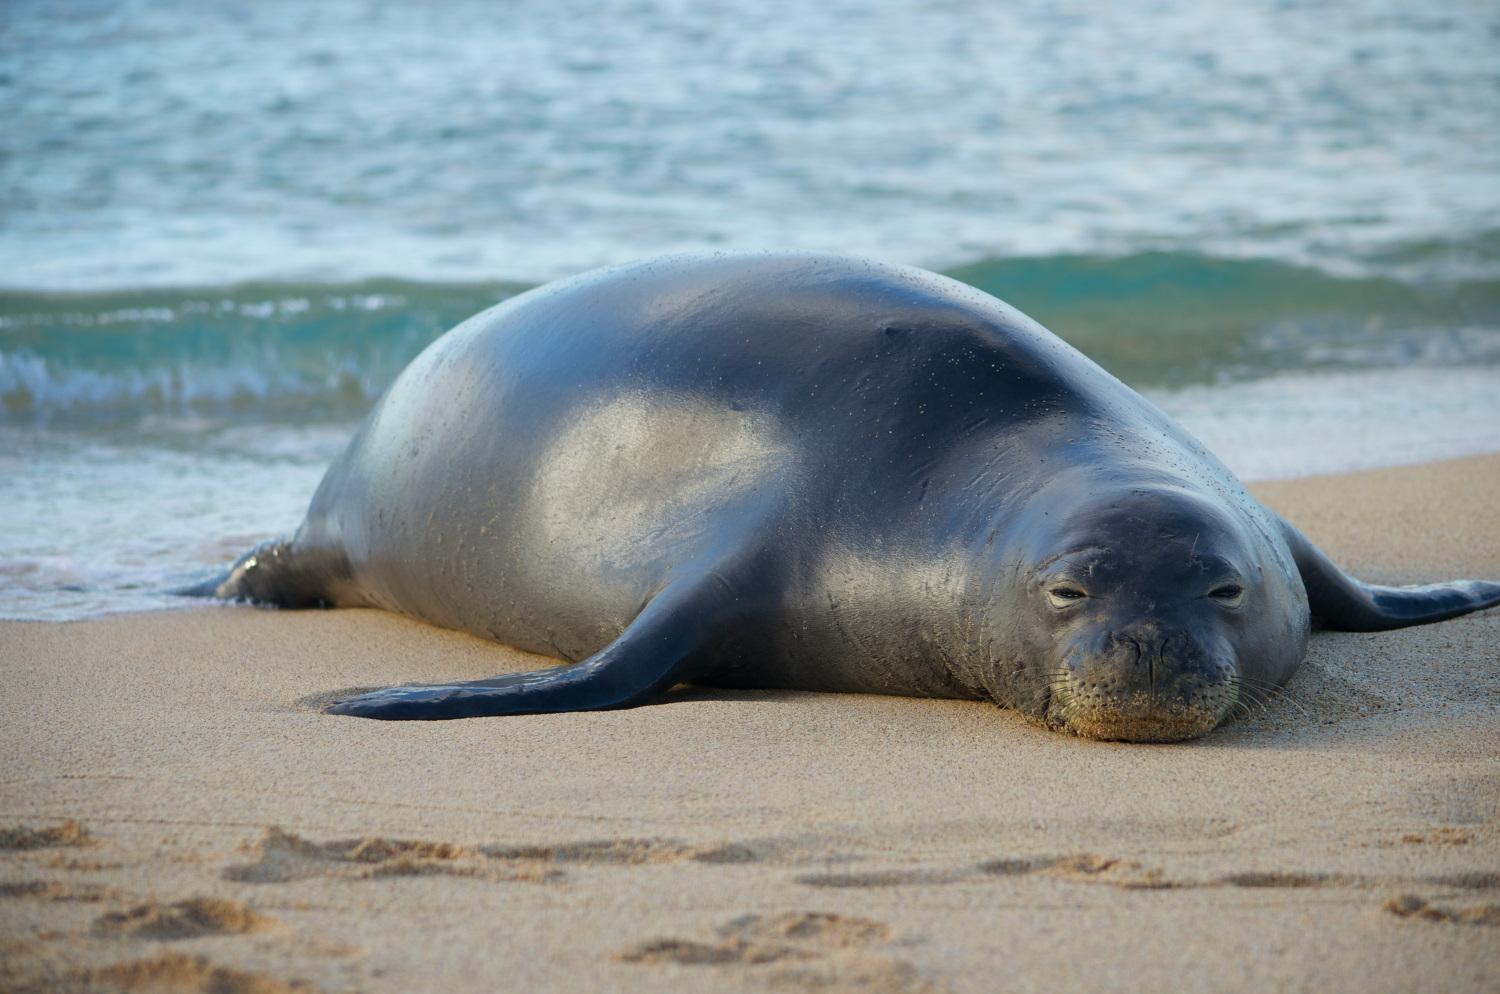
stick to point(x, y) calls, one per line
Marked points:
point(810, 472)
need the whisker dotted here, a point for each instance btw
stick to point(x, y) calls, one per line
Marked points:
point(1265, 694)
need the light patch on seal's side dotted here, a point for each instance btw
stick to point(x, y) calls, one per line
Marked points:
point(631, 478)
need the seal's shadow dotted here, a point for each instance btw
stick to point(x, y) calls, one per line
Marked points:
point(323, 698)
point(687, 693)
point(1322, 704)
point(681, 694)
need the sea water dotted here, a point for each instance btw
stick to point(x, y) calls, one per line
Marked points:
point(224, 228)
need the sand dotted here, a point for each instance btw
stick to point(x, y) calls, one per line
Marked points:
point(176, 815)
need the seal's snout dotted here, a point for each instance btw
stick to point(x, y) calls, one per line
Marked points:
point(1146, 682)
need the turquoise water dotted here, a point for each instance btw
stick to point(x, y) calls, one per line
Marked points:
point(224, 228)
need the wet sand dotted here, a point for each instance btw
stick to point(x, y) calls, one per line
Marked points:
point(230, 837)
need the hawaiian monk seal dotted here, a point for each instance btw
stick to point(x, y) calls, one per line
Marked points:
point(810, 472)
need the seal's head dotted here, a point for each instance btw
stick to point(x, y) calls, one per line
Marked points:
point(1152, 612)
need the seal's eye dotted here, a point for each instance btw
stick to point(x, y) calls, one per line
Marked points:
point(1064, 595)
point(1229, 594)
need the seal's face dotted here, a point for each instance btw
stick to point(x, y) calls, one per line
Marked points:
point(1149, 620)
point(1145, 640)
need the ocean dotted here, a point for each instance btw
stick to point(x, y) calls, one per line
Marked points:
point(224, 228)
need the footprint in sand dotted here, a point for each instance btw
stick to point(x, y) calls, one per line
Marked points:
point(58, 890)
point(804, 950)
point(187, 919)
point(801, 850)
point(280, 856)
point(1445, 836)
point(1416, 908)
point(69, 834)
point(1127, 875)
point(763, 939)
point(1274, 879)
point(1079, 867)
point(1089, 868)
point(1123, 873)
point(180, 974)
point(1131, 875)
point(885, 878)
point(1085, 867)
point(1472, 880)
point(632, 852)
point(19, 838)
point(811, 927)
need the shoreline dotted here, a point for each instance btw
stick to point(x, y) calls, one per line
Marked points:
point(1346, 838)
point(156, 601)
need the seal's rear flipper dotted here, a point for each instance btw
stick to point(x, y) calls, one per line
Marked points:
point(1341, 602)
point(273, 572)
point(667, 644)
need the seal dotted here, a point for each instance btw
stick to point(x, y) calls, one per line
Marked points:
point(810, 472)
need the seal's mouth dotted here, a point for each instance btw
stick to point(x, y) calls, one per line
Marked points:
point(1138, 717)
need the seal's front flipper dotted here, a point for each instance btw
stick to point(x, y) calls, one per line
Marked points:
point(278, 572)
point(665, 645)
point(1341, 602)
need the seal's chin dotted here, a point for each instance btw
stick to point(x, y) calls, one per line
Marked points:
point(1130, 724)
point(1140, 717)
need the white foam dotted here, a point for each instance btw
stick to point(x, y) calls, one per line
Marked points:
point(1305, 424)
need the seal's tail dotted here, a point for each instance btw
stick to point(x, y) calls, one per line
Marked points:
point(1339, 601)
point(274, 572)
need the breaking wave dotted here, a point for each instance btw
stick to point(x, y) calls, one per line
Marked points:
point(1156, 319)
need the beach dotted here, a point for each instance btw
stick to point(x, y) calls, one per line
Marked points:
point(226, 229)
point(178, 815)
